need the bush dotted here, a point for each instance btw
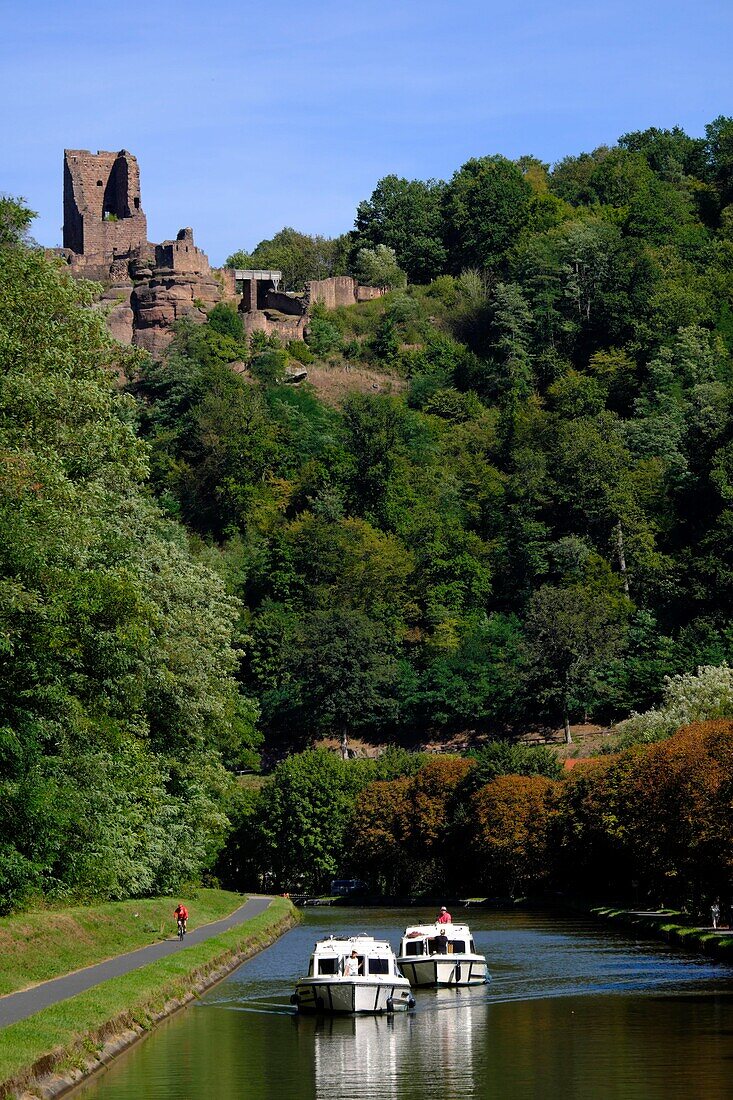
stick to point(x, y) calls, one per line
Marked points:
point(378, 267)
point(269, 366)
point(227, 320)
point(323, 336)
point(300, 351)
point(694, 697)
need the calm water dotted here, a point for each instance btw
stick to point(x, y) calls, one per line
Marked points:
point(573, 1010)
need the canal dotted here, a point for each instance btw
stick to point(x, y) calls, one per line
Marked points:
point(573, 1010)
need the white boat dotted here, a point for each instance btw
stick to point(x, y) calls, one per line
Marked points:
point(441, 954)
point(353, 974)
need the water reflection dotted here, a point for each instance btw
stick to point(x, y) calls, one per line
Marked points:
point(361, 1050)
point(377, 1055)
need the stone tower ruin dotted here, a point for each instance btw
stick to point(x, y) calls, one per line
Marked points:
point(103, 218)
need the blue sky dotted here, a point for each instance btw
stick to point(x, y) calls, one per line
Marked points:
point(246, 117)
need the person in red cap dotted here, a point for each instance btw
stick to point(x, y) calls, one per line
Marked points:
point(444, 916)
point(181, 915)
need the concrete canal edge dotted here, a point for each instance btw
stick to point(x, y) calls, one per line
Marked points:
point(89, 1051)
point(668, 926)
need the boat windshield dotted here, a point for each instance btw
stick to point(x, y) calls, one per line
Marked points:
point(441, 945)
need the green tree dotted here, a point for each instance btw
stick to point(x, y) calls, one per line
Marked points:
point(570, 632)
point(347, 673)
point(719, 148)
point(300, 256)
point(406, 216)
point(486, 205)
point(117, 698)
point(378, 266)
point(304, 813)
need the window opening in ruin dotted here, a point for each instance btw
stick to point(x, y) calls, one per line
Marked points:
point(137, 204)
point(116, 193)
point(99, 183)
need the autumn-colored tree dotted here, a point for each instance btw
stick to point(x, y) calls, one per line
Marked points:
point(675, 807)
point(591, 857)
point(433, 789)
point(402, 829)
point(513, 816)
point(380, 824)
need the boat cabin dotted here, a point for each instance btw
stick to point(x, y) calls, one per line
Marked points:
point(437, 939)
point(373, 957)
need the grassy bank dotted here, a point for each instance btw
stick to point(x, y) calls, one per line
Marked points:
point(674, 927)
point(67, 1035)
point(45, 943)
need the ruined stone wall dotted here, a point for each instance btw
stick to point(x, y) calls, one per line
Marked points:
point(284, 303)
point(249, 295)
point(340, 290)
point(182, 256)
point(225, 278)
point(369, 293)
point(103, 216)
point(290, 328)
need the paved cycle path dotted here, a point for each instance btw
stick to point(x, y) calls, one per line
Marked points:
point(17, 1006)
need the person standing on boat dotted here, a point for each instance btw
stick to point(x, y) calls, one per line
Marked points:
point(441, 943)
point(351, 966)
point(444, 916)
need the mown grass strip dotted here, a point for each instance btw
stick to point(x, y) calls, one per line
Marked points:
point(690, 937)
point(67, 1030)
point(45, 943)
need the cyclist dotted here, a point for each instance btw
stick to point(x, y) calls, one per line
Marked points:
point(181, 915)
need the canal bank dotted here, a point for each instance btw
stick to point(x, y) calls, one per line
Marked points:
point(669, 925)
point(48, 1053)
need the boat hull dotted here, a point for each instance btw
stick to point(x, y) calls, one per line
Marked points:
point(455, 970)
point(352, 995)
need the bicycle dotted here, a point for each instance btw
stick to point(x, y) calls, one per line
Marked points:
point(181, 927)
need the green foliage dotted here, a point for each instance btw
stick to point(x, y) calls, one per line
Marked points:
point(269, 366)
point(227, 321)
point(118, 701)
point(378, 266)
point(693, 697)
point(303, 814)
point(570, 632)
point(300, 256)
point(538, 529)
point(322, 336)
point(300, 351)
point(506, 758)
point(15, 221)
point(406, 217)
point(486, 206)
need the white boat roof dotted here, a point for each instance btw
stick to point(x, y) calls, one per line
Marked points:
point(429, 931)
point(344, 945)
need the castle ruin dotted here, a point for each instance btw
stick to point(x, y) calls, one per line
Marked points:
point(148, 287)
point(103, 218)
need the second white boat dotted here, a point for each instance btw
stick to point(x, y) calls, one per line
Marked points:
point(441, 954)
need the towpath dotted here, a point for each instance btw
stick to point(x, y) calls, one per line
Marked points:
point(17, 1006)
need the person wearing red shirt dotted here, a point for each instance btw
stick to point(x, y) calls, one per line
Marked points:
point(445, 917)
point(181, 915)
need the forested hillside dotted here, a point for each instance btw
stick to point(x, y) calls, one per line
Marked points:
point(529, 521)
point(537, 526)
